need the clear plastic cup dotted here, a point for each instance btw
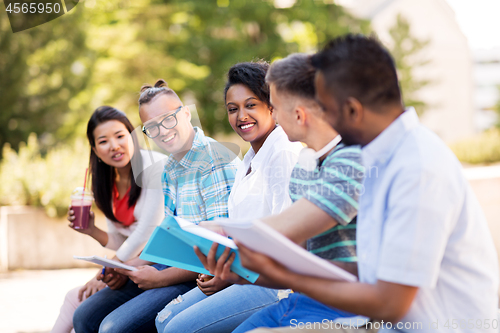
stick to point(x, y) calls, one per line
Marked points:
point(81, 201)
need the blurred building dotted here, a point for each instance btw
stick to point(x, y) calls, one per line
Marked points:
point(486, 80)
point(449, 97)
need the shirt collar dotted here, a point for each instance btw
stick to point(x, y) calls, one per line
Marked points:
point(383, 146)
point(261, 156)
point(199, 143)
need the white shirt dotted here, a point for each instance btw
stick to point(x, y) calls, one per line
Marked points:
point(419, 224)
point(148, 212)
point(264, 191)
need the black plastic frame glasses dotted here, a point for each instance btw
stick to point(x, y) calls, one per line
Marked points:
point(148, 130)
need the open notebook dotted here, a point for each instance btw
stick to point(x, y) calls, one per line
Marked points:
point(260, 237)
point(106, 262)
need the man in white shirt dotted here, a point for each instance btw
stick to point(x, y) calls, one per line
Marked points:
point(426, 260)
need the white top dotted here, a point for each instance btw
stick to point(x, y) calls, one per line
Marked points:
point(264, 191)
point(148, 212)
point(419, 224)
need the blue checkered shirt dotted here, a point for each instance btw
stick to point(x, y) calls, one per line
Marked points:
point(197, 187)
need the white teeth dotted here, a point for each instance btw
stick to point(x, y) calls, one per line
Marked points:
point(169, 138)
point(118, 155)
point(247, 126)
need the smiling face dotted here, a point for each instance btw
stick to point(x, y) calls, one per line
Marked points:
point(176, 140)
point(113, 143)
point(249, 117)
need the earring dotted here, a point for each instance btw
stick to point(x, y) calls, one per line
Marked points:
point(98, 159)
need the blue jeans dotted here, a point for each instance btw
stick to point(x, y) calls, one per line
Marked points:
point(128, 309)
point(291, 311)
point(217, 313)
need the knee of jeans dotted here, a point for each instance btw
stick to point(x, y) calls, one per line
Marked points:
point(109, 326)
point(165, 315)
point(80, 323)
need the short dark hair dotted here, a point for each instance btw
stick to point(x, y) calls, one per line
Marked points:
point(103, 175)
point(359, 66)
point(149, 92)
point(251, 74)
point(293, 75)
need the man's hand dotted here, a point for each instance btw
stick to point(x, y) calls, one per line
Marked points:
point(112, 278)
point(222, 267)
point(211, 284)
point(90, 288)
point(146, 277)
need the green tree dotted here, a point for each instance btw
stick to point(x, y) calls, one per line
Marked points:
point(41, 71)
point(406, 50)
point(54, 75)
point(193, 43)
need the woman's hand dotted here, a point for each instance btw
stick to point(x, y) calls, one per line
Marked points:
point(113, 279)
point(90, 288)
point(213, 227)
point(221, 267)
point(71, 217)
point(211, 284)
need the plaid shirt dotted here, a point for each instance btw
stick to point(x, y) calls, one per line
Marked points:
point(197, 187)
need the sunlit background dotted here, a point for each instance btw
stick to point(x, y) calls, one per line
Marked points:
point(53, 76)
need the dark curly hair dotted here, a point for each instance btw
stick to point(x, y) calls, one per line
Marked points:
point(252, 75)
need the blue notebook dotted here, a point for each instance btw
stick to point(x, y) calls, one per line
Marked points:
point(172, 245)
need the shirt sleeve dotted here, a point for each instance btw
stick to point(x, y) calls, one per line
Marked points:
point(115, 238)
point(150, 216)
point(215, 188)
point(337, 190)
point(149, 212)
point(422, 207)
point(278, 179)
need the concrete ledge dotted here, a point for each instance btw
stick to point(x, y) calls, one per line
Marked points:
point(29, 239)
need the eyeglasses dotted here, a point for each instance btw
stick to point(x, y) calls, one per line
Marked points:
point(170, 121)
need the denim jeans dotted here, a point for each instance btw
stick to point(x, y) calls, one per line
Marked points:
point(128, 309)
point(217, 313)
point(293, 311)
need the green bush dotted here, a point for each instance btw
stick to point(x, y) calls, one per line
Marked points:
point(28, 178)
point(483, 149)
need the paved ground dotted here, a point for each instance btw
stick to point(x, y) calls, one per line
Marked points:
point(30, 300)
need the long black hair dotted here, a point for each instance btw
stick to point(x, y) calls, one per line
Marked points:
point(103, 175)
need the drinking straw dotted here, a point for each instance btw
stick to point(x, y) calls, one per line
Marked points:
point(84, 183)
point(85, 180)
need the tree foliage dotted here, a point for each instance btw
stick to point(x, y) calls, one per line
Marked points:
point(406, 50)
point(41, 71)
point(54, 75)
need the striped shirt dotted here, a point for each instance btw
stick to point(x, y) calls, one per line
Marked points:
point(334, 187)
point(197, 187)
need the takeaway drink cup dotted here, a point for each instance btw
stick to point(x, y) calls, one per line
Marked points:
point(81, 201)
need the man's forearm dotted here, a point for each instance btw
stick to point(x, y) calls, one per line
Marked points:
point(373, 301)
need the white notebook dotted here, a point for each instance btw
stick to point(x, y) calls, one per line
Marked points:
point(260, 237)
point(106, 262)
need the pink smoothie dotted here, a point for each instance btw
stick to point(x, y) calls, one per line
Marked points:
point(81, 216)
